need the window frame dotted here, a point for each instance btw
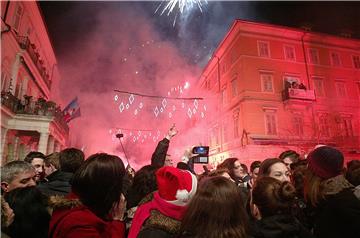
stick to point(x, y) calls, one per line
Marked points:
point(310, 56)
point(262, 79)
point(321, 79)
point(267, 43)
point(285, 53)
point(274, 122)
point(357, 65)
point(332, 59)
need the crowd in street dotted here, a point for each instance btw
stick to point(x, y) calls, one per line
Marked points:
point(65, 195)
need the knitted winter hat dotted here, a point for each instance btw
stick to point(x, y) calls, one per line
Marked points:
point(176, 186)
point(326, 162)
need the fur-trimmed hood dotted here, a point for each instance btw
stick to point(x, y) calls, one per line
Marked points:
point(61, 202)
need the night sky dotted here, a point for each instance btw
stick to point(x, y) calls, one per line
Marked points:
point(67, 21)
point(102, 46)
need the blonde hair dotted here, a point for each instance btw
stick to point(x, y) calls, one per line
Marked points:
point(313, 188)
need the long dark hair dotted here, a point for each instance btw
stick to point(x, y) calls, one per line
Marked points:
point(216, 211)
point(229, 165)
point(98, 182)
point(31, 215)
point(143, 184)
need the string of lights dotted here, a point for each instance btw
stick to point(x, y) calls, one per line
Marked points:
point(154, 96)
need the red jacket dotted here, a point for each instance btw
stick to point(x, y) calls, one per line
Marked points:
point(81, 222)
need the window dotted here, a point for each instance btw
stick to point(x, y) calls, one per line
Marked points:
point(356, 61)
point(236, 123)
point(234, 87)
point(346, 126)
point(263, 49)
point(289, 52)
point(340, 88)
point(270, 122)
point(17, 17)
point(335, 59)
point(226, 130)
point(319, 86)
point(313, 56)
point(298, 125)
point(324, 126)
point(266, 82)
point(223, 96)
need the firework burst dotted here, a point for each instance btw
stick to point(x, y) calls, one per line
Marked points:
point(179, 7)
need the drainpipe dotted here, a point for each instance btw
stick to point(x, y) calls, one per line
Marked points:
point(218, 78)
point(308, 79)
point(305, 59)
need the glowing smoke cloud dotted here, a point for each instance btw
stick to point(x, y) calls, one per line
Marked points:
point(184, 7)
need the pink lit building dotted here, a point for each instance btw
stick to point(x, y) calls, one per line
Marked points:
point(28, 72)
point(283, 88)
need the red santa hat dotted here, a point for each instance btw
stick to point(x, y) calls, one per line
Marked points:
point(176, 186)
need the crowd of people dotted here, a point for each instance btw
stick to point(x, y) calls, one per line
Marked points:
point(65, 195)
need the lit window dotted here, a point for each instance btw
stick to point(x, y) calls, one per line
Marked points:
point(263, 48)
point(356, 61)
point(313, 56)
point(267, 82)
point(289, 52)
point(270, 122)
point(319, 86)
point(340, 89)
point(335, 59)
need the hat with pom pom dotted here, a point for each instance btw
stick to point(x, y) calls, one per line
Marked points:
point(176, 186)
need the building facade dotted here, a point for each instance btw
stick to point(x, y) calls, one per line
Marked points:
point(29, 119)
point(282, 88)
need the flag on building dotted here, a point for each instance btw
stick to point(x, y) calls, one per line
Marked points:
point(72, 110)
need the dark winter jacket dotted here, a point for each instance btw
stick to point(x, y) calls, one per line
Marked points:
point(158, 157)
point(58, 183)
point(338, 216)
point(280, 226)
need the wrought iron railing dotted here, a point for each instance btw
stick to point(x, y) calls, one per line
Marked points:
point(32, 107)
point(25, 43)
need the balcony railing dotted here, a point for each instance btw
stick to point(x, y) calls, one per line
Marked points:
point(299, 94)
point(32, 107)
point(26, 44)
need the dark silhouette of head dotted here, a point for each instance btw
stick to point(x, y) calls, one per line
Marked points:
point(71, 159)
point(98, 182)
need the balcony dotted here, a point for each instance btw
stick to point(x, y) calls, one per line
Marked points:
point(40, 107)
point(25, 44)
point(298, 94)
